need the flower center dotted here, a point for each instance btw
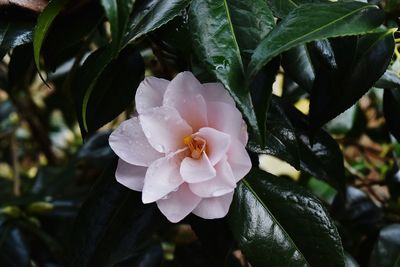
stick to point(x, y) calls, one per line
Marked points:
point(196, 145)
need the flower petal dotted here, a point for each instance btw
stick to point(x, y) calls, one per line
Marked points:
point(179, 204)
point(130, 175)
point(223, 183)
point(150, 93)
point(162, 177)
point(129, 143)
point(214, 207)
point(197, 170)
point(217, 143)
point(164, 128)
point(244, 137)
point(224, 118)
point(184, 93)
point(238, 159)
point(217, 92)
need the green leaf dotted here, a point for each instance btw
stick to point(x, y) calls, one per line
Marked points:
point(68, 34)
point(297, 64)
point(226, 41)
point(14, 33)
point(152, 14)
point(329, 20)
point(278, 223)
point(102, 83)
point(117, 12)
point(281, 140)
point(112, 224)
point(320, 155)
point(282, 7)
point(44, 22)
point(386, 252)
point(337, 88)
point(390, 79)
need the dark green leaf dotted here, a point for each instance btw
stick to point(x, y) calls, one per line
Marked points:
point(96, 150)
point(329, 20)
point(336, 88)
point(261, 91)
point(44, 22)
point(388, 80)
point(282, 7)
point(21, 70)
point(386, 252)
point(297, 64)
point(117, 12)
point(112, 87)
point(215, 237)
point(15, 250)
point(68, 33)
point(281, 140)
point(357, 211)
point(152, 14)
point(321, 157)
point(232, 31)
point(391, 110)
point(350, 261)
point(112, 224)
point(278, 223)
point(14, 32)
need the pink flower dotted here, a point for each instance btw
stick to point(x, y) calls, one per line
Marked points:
point(186, 148)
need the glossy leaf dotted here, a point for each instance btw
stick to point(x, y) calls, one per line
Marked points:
point(261, 92)
point(329, 20)
point(336, 88)
point(357, 211)
point(388, 80)
point(113, 224)
point(101, 84)
point(117, 12)
point(386, 252)
point(270, 214)
point(320, 155)
point(68, 33)
point(44, 22)
point(150, 15)
point(297, 64)
point(391, 110)
point(282, 7)
point(232, 31)
point(281, 140)
point(14, 33)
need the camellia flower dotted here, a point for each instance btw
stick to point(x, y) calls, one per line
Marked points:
point(186, 148)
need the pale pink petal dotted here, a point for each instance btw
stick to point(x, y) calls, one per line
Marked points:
point(130, 144)
point(177, 205)
point(164, 128)
point(217, 143)
point(244, 137)
point(150, 93)
point(184, 94)
point(217, 92)
point(238, 159)
point(129, 175)
point(224, 118)
point(162, 177)
point(223, 183)
point(197, 170)
point(215, 207)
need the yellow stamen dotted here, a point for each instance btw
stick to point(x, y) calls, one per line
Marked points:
point(196, 145)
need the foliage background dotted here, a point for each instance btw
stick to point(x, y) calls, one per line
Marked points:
point(68, 76)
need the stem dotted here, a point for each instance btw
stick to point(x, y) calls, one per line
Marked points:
point(15, 164)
